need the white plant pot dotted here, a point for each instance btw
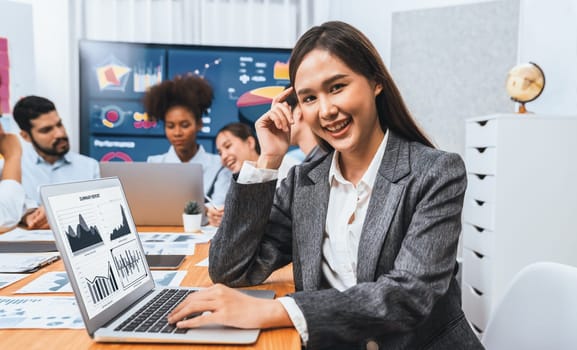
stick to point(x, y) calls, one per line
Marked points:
point(191, 222)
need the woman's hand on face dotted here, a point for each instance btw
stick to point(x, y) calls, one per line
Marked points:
point(273, 131)
point(214, 215)
point(228, 307)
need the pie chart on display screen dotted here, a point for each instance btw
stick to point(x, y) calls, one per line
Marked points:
point(252, 104)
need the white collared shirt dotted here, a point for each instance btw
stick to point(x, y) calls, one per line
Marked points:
point(71, 167)
point(252, 175)
point(346, 213)
point(342, 233)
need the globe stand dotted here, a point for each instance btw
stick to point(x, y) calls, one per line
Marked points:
point(522, 108)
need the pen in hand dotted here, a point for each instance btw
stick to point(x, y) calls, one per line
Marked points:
point(214, 216)
point(210, 201)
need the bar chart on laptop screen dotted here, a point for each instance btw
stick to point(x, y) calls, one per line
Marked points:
point(100, 287)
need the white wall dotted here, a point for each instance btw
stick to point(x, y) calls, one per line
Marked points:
point(372, 17)
point(548, 37)
point(55, 58)
point(211, 22)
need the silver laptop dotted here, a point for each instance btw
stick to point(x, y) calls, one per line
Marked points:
point(157, 192)
point(106, 266)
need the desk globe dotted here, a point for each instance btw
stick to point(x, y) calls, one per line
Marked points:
point(525, 82)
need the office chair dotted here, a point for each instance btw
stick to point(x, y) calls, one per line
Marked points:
point(537, 312)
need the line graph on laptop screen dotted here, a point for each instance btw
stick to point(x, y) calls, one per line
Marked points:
point(101, 245)
point(129, 262)
point(78, 224)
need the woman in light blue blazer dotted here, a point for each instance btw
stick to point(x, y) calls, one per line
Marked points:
point(371, 228)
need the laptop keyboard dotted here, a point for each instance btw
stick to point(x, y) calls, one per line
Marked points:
point(151, 317)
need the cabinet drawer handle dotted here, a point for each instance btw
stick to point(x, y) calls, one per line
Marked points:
point(479, 330)
point(476, 291)
point(481, 149)
point(479, 229)
point(480, 176)
point(479, 255)
point(482, 122)
point(479, 203)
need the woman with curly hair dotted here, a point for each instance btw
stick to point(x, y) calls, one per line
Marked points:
point(180, 104)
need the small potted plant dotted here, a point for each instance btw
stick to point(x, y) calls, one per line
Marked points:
point(192, 216)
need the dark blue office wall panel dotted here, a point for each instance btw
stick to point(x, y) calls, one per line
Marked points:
point(207, 143)
point(126, 148)
point(120, 70)
point(118, 117)
point(105, 148)
point(233, 73)
point(114, 77)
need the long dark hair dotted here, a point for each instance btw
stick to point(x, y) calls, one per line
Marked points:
point(353, 48)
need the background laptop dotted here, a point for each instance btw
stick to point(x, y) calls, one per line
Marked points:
point(157, 192)
point(106, 266)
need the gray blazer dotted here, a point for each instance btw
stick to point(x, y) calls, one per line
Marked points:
point(406, 296)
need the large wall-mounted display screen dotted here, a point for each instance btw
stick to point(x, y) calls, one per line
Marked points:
point(114, 77)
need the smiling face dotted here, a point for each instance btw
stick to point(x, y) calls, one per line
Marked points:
point(234, 151)
point(181, 127)
point(338, 104)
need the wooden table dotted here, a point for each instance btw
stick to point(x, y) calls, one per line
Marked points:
point(281, 282)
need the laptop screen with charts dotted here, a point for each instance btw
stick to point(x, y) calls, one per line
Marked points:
point(106, 266)
point(157, 192)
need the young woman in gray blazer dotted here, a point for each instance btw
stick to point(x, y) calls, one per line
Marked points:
point(371, 228)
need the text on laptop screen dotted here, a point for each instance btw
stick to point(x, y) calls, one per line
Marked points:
point(101, 242)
